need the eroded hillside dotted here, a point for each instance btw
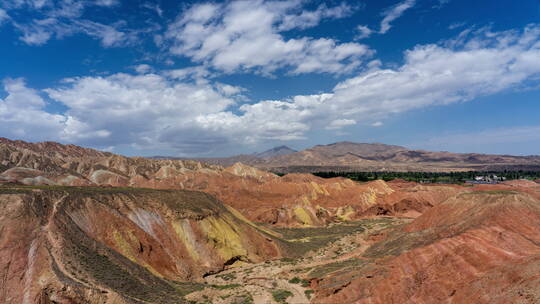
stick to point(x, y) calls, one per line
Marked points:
point(291, 200)
point(83, 226)
point(480, 247)
point(99, 245)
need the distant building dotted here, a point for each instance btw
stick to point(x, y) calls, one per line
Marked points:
point(486, 179)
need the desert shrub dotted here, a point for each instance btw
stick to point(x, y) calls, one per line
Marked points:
point(281, 295)
point(295, 280)
point(228, 286)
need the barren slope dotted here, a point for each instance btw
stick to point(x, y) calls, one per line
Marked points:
point(481, 247)
point(92, 245)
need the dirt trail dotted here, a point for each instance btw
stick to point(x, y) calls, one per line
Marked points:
point(54, 243)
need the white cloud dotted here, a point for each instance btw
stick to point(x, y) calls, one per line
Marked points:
point(109, 35)
point(306, 19)
point(143, 68)
point(363, 32)
point(156, 111)
point(22, 113)
point(3, 16)
point(377, 124)
point(481, 63)
point(56, 19)
point(153, 7)
point(34, 35)
point(245, 35)
point(38, 32)
point(389, 15)
point(229, 90)
point(394, 13)
point(340, 123)
point(456, 25)
point(107, 2)
point(186, 111)
point(33, 4)
point(441, 3)
point(197, 73)
point(127, 109)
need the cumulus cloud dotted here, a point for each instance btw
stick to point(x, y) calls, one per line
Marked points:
point(247, 35)
point(154, 111)
point(185, 111)
point(23, 115)
point(476, 64)
point(134, 109)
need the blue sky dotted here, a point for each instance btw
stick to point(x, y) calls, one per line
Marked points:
point(219, 78)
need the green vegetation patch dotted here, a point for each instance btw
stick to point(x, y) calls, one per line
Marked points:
point(86, 190)
point(295, 280)
point(322, 270)
point(281, 295)
point(228, 286)
point(493, 192)
point(227, 276)
point(243, 299)
point(9, 190)
point(302, 240)
point(432, 177)
point(398, 242)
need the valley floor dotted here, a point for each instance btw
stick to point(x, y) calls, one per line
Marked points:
point(323, 251)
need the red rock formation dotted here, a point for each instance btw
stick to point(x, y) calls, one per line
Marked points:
point(474, 248)
point(124, 244)
point(295, 199)
point(91, 245)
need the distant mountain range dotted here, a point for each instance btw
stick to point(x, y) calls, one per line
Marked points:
point(242, 158)
point(350, 156)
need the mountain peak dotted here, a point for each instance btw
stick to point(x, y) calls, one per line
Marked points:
point(276, 151)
